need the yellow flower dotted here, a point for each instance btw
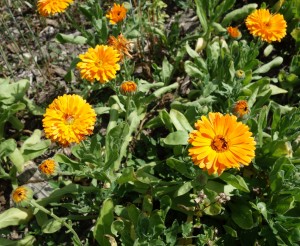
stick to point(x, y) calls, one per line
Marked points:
point(128, 88)
point(51, 7)
point(68, 119)
point(48, 168)
point(116, 14)
point(240, 74)
point(22, 196)
point(121, 44)
point(99, 63)
point(241, 109)
point(220, 142)
point(269, 27)
point(234, 32)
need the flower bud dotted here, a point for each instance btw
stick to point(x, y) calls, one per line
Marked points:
point(201, 44)
point(48, 168)
point(128, 88)
point(241, 109)
point(240, 74)
point(234, 32)
point(22, 196)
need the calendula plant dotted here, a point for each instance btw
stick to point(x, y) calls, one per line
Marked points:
point(168, 135)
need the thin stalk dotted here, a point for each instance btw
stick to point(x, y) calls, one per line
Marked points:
point(114, 115)
point(24, 40)
point(7, 65)
point(76, 26)
point(34, 37)
point(128, 100)
point(50, 213)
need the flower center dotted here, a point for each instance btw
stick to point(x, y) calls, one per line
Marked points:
point(99, 63)
point(69, 119)
point(19, 196)
point(219, 144)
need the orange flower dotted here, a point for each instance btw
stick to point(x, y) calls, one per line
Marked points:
point(116, 14)
point(269, 27)
point(68, 119)
point(99, 63)
point(51, 7)
point(128, 88)
point(22, 196)
point(121, 44)
point(234, 32)
point(48, 168)
point(241, 109)
point(220, 142)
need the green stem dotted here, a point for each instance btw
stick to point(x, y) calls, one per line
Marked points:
point(50, 213)
point(127, 107)
point(114, 115)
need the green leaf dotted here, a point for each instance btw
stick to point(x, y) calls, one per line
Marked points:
point(128, 175)
point(284, 204)
point(69, 38)
point(192, 70)
point(7, 147)
point(241, 214)
point(147, 204)
point(230, 231)
point(180, 121)
point(32, 140)
point(213, 209)
point(238, 14)
point(166, 72)
point(166, 119)
point(28, 240)
point(14, 216)
point(183, 189)
point(261, 206)
point(10, 93)
point(192, 53)
point(16, 123)
point(133, 214)
point(117, 226)
point(66, 160)
point(70, 188)
point(266, 67)
point(17, 159)
point(183, 167)
point(201, 15)
point(236, 181)
point(51, 226)
point(102, 110)
point(104, 221)
point(36, 150)
point(186, 229)
point(156, 224)
point(177, 138)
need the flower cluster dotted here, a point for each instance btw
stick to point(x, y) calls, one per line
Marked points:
point(121, 44)
point(99, 63)
point(116, 14)
point(269, 27)
point(51, 7)
point(222, 198)
point(200, 197)
point(220, 142)
point(68, 119)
